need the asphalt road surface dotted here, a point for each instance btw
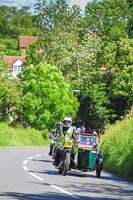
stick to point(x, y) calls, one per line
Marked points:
point(28, 174)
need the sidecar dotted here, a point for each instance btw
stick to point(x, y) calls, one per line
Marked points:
point(88, 157)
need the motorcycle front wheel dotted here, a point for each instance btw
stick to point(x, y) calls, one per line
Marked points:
point(66, 164)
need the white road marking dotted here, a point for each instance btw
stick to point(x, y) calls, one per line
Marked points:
point(25, 168)
point(64, 191)
point(30, 158)
point(41, 179)
point(25, 162)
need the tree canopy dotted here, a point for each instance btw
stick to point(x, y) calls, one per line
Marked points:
point(48, 96)
point(90, 53)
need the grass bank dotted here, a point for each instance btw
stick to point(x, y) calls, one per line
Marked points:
point(10, 136)
point(117, 147)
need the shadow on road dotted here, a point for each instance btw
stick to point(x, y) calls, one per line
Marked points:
point(49, 196)
point(47, 161)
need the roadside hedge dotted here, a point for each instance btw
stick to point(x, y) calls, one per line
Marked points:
point(117, 147)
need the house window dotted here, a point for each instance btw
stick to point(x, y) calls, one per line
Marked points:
point(17, 69)
point(17, 66)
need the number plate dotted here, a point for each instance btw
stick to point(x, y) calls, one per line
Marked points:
point(68, 144)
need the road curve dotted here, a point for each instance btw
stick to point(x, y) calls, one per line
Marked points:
point(28, 174)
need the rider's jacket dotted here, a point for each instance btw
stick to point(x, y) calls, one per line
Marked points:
point(71, 131)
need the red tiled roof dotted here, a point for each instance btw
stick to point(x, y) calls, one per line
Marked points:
point(26, 40)
point(13, 59)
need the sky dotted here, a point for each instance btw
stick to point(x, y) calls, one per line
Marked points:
point(30, 3)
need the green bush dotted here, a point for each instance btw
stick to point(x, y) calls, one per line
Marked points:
point(10, 136)
point(117, 147)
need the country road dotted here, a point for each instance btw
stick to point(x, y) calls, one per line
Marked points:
point(28, 174)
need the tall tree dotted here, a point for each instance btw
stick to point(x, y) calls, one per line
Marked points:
point(14, 22)
point(75, 52)
point(55, 15)
point(110, 17)
point(10, 97)
point(118, 58)
point(47, 96)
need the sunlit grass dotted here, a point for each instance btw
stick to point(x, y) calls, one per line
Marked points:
point(117, 146)
point(10, 136)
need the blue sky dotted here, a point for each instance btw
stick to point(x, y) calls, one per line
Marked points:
point(30, 3)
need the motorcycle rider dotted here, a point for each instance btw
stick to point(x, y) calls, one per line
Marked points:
point(54, 136)
point(52, 143)
point(62, 129)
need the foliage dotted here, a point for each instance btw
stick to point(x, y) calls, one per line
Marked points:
point(55, 15)
point(10, 46)
point(130, 20)
point(92, 51)
point(3, 64)
point(94, 102)
point(74, 51)
point(15, 22)
point(117, 147)
point(47, 96)
point(74, 56)
point(10, 136)
point(10, 96)
point(118, 75)
point(109, 17)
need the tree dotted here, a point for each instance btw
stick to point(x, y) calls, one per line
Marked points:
point(118, 75)
point(79, 52)
point(47, 96)
point(94, 102)
point(55, 15)
point(10, 46)
point(110, 17)
point(130, 20)
point(10, 97)
point(3, 64)
point(74, 51)
point(15, 22)
point(10, 90)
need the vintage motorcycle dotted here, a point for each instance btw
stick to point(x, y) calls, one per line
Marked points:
point(63, 155)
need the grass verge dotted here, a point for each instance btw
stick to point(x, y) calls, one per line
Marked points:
point(117, 147)
point(10, 136)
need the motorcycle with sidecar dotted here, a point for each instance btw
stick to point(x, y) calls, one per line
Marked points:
point(81, 155)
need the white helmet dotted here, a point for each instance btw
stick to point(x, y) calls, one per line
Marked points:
point(67, 122)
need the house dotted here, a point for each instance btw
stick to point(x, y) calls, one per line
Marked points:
point(15, 63)
point(24, 41)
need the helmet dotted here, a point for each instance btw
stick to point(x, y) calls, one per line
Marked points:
point(67, 122)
